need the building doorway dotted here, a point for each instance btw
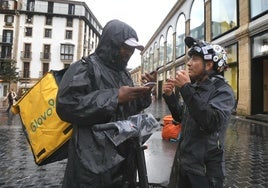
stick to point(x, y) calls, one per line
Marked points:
point(259, 86)
point(160, 93)
point(265, 86)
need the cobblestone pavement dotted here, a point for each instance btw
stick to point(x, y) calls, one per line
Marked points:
point(246, 155)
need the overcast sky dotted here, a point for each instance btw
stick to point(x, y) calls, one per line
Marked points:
point(145, 16)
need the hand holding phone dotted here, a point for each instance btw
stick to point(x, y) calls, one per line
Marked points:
point(127, 93)
point(150, 84)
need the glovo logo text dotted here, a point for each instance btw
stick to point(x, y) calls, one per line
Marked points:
point(43, 117)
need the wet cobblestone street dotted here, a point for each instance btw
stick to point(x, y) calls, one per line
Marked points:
point(17, 163)
point(246, 155)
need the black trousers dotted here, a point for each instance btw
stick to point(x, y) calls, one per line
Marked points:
point(10, 103)
point(187, 180)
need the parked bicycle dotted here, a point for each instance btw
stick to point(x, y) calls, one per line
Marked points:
point(138, 128)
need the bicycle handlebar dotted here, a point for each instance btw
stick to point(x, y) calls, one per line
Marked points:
point(104, 127)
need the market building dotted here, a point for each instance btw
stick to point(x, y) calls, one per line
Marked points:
point(43, 35)
point(241, 26)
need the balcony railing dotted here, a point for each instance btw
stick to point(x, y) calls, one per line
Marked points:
point(45, 56)
point(5, 56)
point(42, 73)
point(24, 75)
point(7, 40)
point(9, 24)
point(26, 55)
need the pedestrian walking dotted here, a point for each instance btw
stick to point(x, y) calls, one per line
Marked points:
point(99, 89)
point(11, 98)
point(208, 102)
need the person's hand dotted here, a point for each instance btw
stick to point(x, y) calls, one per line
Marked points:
point(182, 78)
point(149, 77)
point(168, 87)
point(127, 93)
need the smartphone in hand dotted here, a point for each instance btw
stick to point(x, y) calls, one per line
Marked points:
point(150, 84)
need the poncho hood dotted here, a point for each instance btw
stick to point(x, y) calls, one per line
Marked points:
point(114, 34)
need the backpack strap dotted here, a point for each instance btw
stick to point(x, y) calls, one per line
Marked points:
point(58, 74)
point(90, 61)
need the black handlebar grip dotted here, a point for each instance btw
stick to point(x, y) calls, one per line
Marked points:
point(104, 127)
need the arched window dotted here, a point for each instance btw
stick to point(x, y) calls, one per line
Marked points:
point(151, 59)
point(197, 20)
point(223, 21)
point(180, 35)
point(161, 50)
point(170, 44)
point(155, 55)
point(145, 63)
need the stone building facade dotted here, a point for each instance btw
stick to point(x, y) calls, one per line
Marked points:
point(240, 26)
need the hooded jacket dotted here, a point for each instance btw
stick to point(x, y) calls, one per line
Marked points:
point(88, 95)
point(204, 117)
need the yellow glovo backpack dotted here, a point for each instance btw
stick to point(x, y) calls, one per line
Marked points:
point(46, 133)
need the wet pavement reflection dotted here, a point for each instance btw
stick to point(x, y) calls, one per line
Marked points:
point(17, 163)
point(246, 154)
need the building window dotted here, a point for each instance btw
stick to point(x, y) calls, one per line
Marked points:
point(169, 44)
point(48, 20)
point(180, 35)
point(30, 5)
point(69, 34)
point(69, 22)
point(161, 50)
point(155, 55)
point(9, 19)
point(67, 52)
point(26, 70)
point(223, 21)
point(7, 36)
point(151, 59)
point(46, 54)
point(50, 7)
point(258, 7)
point(260, 45)
point(4, 5)
point(71, 9)
point(27, 50)
point(197, 20)
point(231, 74)
point(48, 33)
point(28, 31)
point(168, 74)
point(45, 68)
point(146, 62)
point(6, 52)
point(29, 19)
point(5, 90)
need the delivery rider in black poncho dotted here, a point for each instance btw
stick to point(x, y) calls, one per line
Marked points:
point(98, 89)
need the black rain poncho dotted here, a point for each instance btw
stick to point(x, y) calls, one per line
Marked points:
point(88, 95)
